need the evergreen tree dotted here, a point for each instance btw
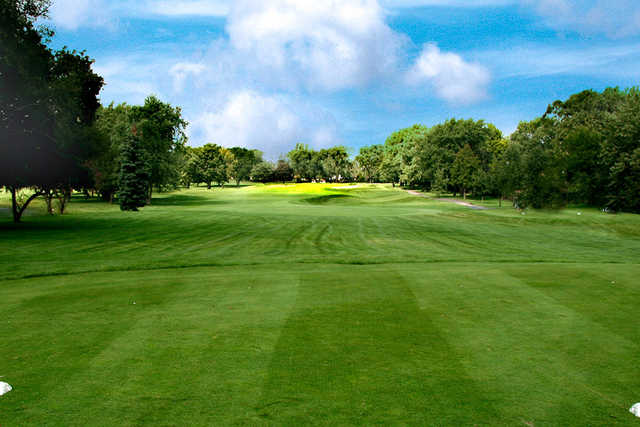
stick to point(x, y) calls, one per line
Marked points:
point(134, 174)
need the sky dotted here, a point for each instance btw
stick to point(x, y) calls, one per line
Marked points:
point(267, 74)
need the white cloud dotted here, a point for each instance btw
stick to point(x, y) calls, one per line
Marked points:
point(604, 61)
point(445, 3)
point(130, 78)
point(73, 14)
point(182, 70)
point(322, 44)
point(187, 7)
point(614, 18)
point(271, 124)
point(452, 78)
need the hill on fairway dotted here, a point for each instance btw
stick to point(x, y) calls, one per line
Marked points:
point(318, 304)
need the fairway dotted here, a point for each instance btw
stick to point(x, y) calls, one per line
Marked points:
point(318, 304)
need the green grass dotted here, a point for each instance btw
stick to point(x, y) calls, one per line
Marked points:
point(318, 304)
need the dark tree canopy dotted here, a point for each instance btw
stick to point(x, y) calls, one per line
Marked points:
point(48, 102)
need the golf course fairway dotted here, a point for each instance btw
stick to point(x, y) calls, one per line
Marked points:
point(326, 304)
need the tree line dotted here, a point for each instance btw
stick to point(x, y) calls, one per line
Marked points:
point(585, 150)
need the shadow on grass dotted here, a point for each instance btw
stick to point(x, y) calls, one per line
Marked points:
point(331, 198)
point(185, 200)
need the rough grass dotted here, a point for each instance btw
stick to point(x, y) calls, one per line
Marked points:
point(315, 304)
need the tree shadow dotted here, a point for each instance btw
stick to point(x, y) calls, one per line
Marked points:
point(330, 198)
point(185, 200)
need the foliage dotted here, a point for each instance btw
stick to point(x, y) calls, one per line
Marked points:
point(282, 172)
point(301, 159)
point(163, 138)
point(134, 173)
point(370, 159)
point(47, 105)
point(243, 161)
point(263, 172)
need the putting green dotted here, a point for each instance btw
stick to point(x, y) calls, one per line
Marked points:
point(305, 304)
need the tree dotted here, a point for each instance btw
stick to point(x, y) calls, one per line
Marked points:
point(301, 159)
point(464, 167)
point(506, 172)
point(391, 165)
point(243, 161)
point(213, 164)
point(163, 138)
point(112, 127)
point(283, 171)
point(47, 105)
point(622, 151)
point(262, 172)
point(134, 174)
point(370, 158)
point(543, 175)
point(335, 163)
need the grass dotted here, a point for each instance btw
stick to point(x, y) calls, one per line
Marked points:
point(318, 304)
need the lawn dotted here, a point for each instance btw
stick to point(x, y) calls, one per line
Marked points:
point(318, 304)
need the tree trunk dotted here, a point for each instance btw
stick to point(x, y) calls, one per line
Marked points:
point(63, 198)
point(150, 193)
point(49, 199)
point(464, 194)
point(14, 205)
point(209, 185)
point(500, 200)
point(18, 210)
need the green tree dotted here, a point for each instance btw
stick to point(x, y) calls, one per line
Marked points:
point(213, 164)
point(243, 161)
point(113, 127)
point(370, 158)
point(506, 172)
point(301, 159)
point(163, 138)
point(335, 163)
point(262, 172)
point(47, 103)
point(134, 173)
point(464, 167)
point(283, 171)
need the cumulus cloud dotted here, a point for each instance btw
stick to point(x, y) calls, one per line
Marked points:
point(271, 124)
point(614, 18)
point(181, 71)
point(328, 44)
point(453, 79)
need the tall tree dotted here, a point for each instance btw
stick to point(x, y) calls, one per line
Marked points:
point(301, 159)
point(134, 173)
point(213, 164)
point(243, 161)
point(370, 158)
point(464, 168)
point(47, 104)
point(262, 172)
point(283, 171)
point(163, 138)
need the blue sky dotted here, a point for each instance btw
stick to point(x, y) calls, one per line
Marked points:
point(269, 73)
